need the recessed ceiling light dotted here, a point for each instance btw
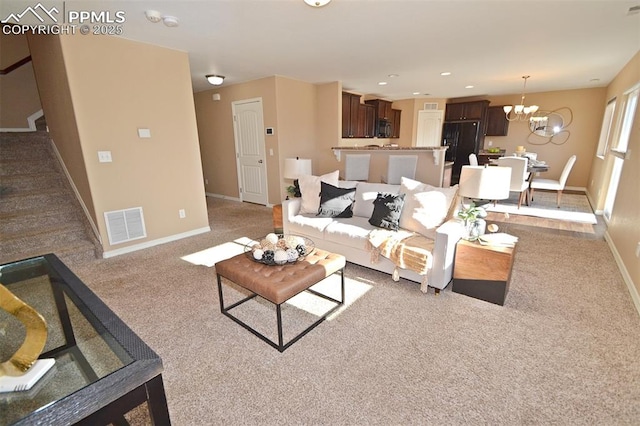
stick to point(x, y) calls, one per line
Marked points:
point(392, 75)
point(416, 93)
point(382, 83)
point(445, 73)
point(469, 87)
point(594, 80)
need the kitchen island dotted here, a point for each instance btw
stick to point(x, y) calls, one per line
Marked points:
point(430, 168)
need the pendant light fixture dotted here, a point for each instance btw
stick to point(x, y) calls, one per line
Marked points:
point(521, 112)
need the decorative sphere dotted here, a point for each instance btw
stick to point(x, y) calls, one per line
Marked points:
point(302, 250)
point(292, 255)
point(268, 256)
point(280, 257)
point(272, 238)
point(257, 254)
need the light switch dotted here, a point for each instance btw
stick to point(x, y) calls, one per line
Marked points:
point(144, 133)
point(104, 156)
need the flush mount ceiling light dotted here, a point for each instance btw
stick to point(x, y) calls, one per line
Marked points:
point(317, 3)
point(216, 80)
point(521, 112)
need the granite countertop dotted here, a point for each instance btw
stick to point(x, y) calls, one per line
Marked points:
point(388, 148)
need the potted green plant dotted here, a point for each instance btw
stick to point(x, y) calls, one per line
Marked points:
point(471, 215)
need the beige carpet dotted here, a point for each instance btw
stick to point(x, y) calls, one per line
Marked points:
point(563, 350)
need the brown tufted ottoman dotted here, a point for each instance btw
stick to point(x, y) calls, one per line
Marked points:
point(279, 283)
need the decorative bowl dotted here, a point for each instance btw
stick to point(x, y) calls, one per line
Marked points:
point(279, 249)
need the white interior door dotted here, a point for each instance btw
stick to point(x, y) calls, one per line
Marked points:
point(248, 129)
point(429, 131)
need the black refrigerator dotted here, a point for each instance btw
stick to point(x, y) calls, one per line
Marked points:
point(462, 140)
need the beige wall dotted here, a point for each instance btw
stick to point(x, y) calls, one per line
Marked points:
point(53, 86)
point(587, 109)
point(215, 130)
point(110, 88)
point(623, 229)
point(19, 97)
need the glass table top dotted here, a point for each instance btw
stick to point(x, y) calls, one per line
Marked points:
point(85, 351)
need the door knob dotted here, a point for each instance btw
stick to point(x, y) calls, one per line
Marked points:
point(259, 161)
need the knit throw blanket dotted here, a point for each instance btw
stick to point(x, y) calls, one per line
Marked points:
point(407, 250)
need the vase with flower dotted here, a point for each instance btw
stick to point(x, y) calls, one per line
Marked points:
point(473, 217)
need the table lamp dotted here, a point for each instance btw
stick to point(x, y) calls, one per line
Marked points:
point(293, 169)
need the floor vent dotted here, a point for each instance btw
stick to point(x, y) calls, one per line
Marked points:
point(430, 105)
point(125, 225)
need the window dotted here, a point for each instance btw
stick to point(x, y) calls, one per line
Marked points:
point(627, 121)
point(605, 132)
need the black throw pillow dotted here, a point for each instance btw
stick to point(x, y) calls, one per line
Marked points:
point(336, 202)
point(386, 210)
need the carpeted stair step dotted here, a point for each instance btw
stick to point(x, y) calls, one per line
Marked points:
point(38, 210)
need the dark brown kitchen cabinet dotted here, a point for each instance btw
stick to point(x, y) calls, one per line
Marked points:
point(366, 121)
point(350, 112)
point(497, 123)
point(382, 107)
point(395, 123)
point(463, 111)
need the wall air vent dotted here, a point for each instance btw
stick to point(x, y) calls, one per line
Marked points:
point(125, 225)
point(431, 105)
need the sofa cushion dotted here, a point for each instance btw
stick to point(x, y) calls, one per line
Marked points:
point(426, 207)
point(336, 202)
point(366, 194)
point(351, 232)
point(386, 210)
point(311, 226)
point(310, 189)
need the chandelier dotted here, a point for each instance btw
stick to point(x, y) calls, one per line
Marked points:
point(521, 112)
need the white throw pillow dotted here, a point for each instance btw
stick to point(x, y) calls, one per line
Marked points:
point(425, 207)
point(310, 190)
point(366, 194)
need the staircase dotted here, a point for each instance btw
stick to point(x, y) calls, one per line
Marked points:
point(39, 212)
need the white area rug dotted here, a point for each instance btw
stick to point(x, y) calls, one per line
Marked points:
point(573, 207)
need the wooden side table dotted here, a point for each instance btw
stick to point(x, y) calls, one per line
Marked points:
point(483, 272)
point(277, 219)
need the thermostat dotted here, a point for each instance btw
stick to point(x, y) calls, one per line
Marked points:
point(269, 130)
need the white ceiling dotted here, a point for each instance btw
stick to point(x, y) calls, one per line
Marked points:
point(490, 44)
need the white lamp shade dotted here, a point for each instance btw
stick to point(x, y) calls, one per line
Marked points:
point(485, 183)
point(296, 167)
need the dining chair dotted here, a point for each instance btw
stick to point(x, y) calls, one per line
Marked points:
point(519, 181)
point(473, 159)
point(554, 185)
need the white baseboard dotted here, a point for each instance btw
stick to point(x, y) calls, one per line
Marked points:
point(94, 228)
point(635, 297)
point(226, 197)
point(31, 121)
point(148, 244)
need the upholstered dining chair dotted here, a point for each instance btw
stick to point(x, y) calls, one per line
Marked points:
point(554, 185)
point(356, 167)
point(473, 159)
point(519, 181)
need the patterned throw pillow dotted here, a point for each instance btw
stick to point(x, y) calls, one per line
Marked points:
point(386, 210)
point(336, 202)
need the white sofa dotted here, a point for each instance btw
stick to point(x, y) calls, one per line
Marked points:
point(349, 236)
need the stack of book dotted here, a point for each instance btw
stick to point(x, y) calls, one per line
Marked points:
point(499, 239)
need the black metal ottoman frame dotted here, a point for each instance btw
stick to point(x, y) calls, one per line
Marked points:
point(280, 345)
